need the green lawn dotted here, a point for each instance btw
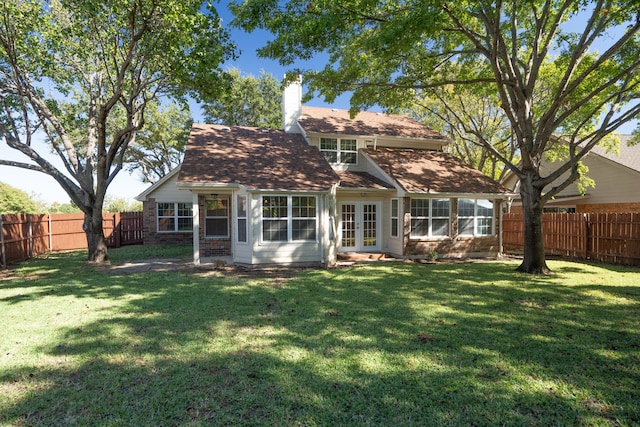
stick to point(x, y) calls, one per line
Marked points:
point(383, 344)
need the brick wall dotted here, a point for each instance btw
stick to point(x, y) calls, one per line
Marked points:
point(609, 208)
point(451, 247)
point(150, 229)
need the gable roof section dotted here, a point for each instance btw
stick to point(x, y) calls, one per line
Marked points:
point(427, 171)
point(263, 159)
point(627, 155)
point(362, 180)
point(335, 121)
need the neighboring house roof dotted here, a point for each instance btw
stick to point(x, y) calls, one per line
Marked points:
point(335, 121)
point(427, 171)
point(355, 180)
point(626, 155)
point(255, 158)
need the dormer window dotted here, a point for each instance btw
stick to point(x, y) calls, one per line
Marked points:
point(336, 150)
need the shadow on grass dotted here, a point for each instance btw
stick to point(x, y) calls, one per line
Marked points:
point(392, 344)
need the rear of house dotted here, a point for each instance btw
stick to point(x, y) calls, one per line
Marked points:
point(326, 185)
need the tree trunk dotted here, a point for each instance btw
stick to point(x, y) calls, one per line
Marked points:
point(534, 261)
point(96, 242)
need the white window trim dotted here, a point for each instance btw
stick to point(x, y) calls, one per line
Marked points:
point(395, 230)
point(475, 219)
point(175, 216)
point(339, 150)
point(430, 218)
point(242, 217)
point(289, 219)
point(227, 217)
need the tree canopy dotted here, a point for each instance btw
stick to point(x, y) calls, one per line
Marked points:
point(247, 101)
point(79, 76)
point(15, 201)
point(565, 72)
point(159, 146)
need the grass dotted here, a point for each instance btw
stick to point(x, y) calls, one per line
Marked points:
point(383, 344)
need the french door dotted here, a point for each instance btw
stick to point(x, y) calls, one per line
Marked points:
point(359, 226)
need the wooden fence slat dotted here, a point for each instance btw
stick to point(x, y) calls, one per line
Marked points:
point(602, 236)
point(24, 236)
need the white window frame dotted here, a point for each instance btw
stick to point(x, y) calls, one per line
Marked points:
point(339, 150)
point(430, 218)
point(177, 207)
point(227, 217)
point(289, 218)
point(476, 218)
point(241, 203)
point(395, 217)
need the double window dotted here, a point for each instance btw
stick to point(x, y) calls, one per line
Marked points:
point(175, 217)
point(475, 217)
point(339, 150)
point(289, 218)
point(430, 217)
point(216, 218)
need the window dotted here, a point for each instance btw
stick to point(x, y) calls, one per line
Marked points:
point(475, 217)
point(241, 213)
point(339, 151)
point(429, 217)
point(394, 217)
point(303, 223)
point(216, 218)
point(175, 217)
point(289, 218)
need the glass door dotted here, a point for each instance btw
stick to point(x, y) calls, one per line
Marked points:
point(359, 225)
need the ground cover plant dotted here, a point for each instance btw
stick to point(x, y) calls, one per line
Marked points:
point(381, 344)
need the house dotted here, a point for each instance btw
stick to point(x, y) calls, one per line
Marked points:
point(325, 185)
point(616, 175)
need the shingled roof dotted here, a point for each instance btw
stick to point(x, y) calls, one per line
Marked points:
point(627, 155)
point(335, 121)
point(427, 171)
point(255, 158)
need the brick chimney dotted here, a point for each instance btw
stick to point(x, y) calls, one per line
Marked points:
point(292, 106)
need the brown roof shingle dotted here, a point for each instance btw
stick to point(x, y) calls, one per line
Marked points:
point(627, 155)
point(255, 158)
point(349, 179)
point(427, 171)
point(332, 120)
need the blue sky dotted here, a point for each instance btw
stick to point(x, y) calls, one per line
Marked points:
point(128, 186)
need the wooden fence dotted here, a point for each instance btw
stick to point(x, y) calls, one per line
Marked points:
point(606, 237)
point(25, 236)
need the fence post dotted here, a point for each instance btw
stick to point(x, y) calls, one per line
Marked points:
point(4, 255)
point(50, 233)
point(30, 231)
point(116, 228)
point(587, 232)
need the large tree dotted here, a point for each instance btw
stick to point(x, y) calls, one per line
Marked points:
point(566, 71)
point(471, 121)
point(247, 101)
point(159, 145)
point(69, 68)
